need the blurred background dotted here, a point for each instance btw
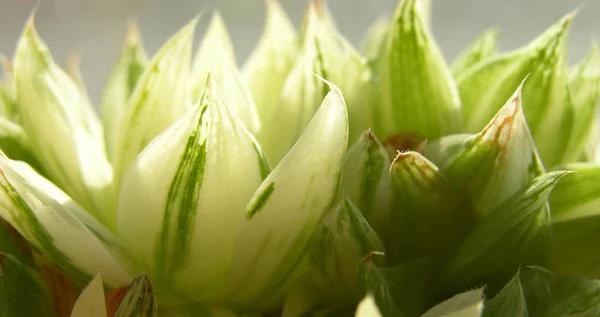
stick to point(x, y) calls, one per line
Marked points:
point(96, 28)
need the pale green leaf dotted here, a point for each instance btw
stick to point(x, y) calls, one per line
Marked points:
point(367, 308)
point(215, 45)
point(90, 302)
point(189, 188)
point(121, 83)
point(287, 209)
point(62, 126)
point(55, 225)
point(160, 98)
point(375, 39)
point(267, 68)
point(300, 98)
point(467, 304)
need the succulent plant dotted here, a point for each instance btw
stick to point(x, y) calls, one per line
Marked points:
point(316, 181)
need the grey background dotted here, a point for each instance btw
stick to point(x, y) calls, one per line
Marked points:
point(96, 28)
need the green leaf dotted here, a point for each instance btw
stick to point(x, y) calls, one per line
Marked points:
point(269, 64)
point(366, 182)
point(160, 98)
point(15, 143)
point(8, 103)
point(305, 182)
point(22, 291)
point(584, 83)
point(418, 92)
point(492, 165)
point(467, 304)
point(481, 49)
point(139, 299)
point(575, 297)
point(56, 226)
point(510, 301)
point(398, 291)
point(90, 302)
point(345, 238)
point(13, 244)
point(537, 284)
point(428, 217)
point(516, 233)
point(546, 99)
point(190, 188)
point(62, 126)
point(122, 80)
point(575, 206)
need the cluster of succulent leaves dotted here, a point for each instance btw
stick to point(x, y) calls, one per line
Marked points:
point(465, 190)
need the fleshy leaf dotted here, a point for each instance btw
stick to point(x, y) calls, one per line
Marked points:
point(139, 299)
point(428, 217)
point(158, 100)
point(367, 308)
point(492, 165)
point(52, 222)
point(365, 180)
point(418, 92)
point(288, 207)
point(62, 126)
point(15, 143)
point(575, 206)
point(375, 39)
point(190, 185)
point(575, 296)
point(537, 284)
point(237, 96)
point(22, 291)
point(481, 49)
point(546, 100)
point(271, 61)
point(584, 83)
point(215, 45)
point(398, 291)
point(345, 238)
point(467, 304)
point(91, 300)
point(516, 233)
point(510, 301)
point(121, 83)
point(300, 98)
